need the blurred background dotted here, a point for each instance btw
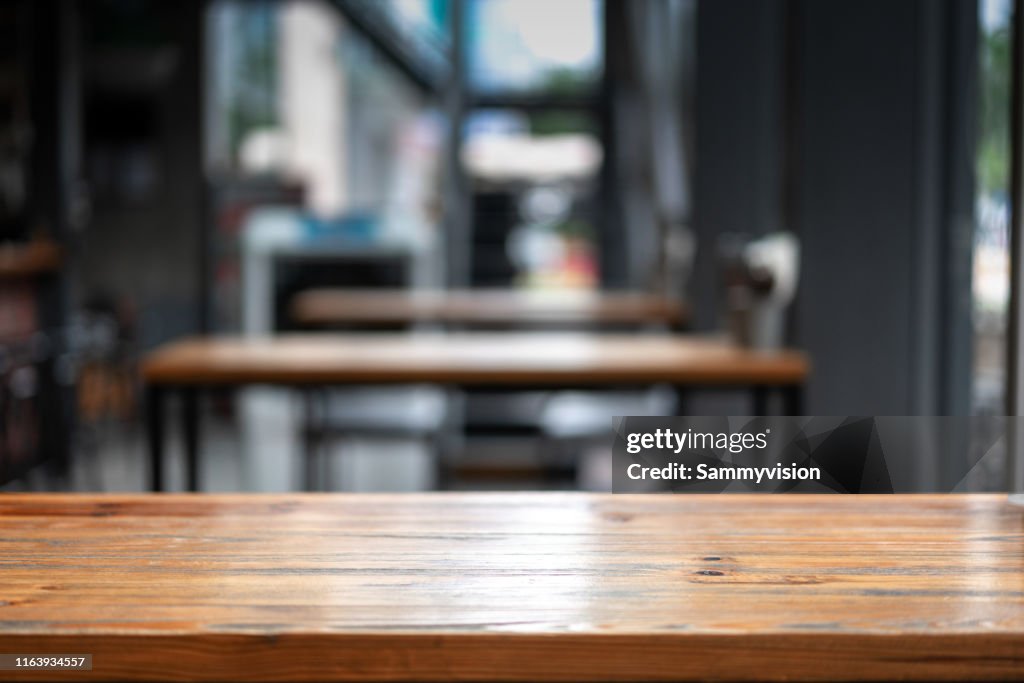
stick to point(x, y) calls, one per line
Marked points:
point(169, 169)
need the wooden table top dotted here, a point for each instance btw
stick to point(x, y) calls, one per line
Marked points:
point(470, 358)
point(515, 587)
point(484, 307)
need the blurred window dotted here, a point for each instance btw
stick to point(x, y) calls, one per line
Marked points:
point(424, 22)
point(534, 176)
point(534, 45)
point(301, 99)
point(533, 146)
point(304, 112)
point(243, 63)
point(991, 276)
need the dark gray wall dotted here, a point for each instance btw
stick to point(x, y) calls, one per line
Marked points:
point(738, 153)
point(856, 202)
point(149, 252)
point(860, 109)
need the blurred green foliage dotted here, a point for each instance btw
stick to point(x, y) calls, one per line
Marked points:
point(993, 158)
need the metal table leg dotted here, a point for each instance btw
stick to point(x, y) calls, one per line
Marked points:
point(760, 404)
point(793, 399)
point(155, 436)
point(190, 422)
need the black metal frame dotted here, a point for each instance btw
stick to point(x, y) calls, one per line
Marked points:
point(1015, 364)
point(791, 395)
point(1015, 331)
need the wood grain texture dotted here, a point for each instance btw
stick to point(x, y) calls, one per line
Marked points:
point(484, 307)
point(556, 587)
point(470, 359)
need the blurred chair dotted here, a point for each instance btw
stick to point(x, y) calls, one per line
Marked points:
point(29, 406)
point(103, 351)
point(331, 416)
point(274, 235)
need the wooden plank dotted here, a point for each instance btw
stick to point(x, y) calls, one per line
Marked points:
point(471, 359)
point(515, 587)
point(482, 308)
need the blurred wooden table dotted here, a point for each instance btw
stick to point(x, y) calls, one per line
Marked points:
point(500, 361)
point(520, 587)
point(485, 308)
